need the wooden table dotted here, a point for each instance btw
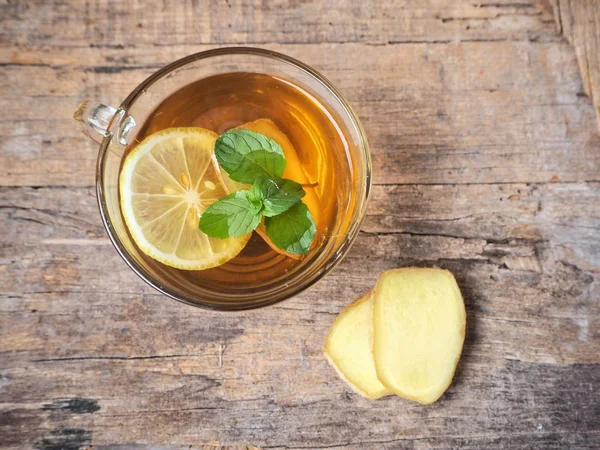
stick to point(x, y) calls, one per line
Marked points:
point(487, 162)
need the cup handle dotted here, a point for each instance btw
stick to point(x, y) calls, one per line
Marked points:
point(98, 121)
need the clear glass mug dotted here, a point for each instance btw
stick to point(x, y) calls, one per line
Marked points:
point(115, 129)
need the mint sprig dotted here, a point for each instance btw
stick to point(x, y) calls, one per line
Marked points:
point(277, 196)
point(246, 156)
point(253, 158)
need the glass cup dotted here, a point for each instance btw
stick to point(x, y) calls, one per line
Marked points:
point(114, 129)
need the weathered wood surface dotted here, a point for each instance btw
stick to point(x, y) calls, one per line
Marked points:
point(579, 21)
point(487, 162)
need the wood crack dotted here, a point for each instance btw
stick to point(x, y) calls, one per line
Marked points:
point(496, 16)
point(115, 358)
point(159, 411)
point(488, 241)
point(506, 5)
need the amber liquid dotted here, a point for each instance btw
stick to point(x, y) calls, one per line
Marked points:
point(226, 101)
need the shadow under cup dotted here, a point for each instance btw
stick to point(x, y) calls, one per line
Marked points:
point(332, 246)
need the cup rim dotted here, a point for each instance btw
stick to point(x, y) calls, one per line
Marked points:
point(332, 261)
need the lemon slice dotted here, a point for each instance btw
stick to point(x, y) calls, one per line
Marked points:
point(166, 183)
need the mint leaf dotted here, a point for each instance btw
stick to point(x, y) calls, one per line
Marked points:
point(293, 230)
point(275, 196)
point(287, 195)
point(246, 156)
point(231, 216)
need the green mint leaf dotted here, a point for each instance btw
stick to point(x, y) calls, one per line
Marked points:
point(261, 189)
point(288, 193)
point(275, 196)
point(253, 158)
point(293, 230)
point(246, 156)
point(231, 216)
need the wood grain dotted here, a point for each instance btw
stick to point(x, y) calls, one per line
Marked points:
point(486, 162)
point(487, 112)
point(579, 21)
point(155, 23)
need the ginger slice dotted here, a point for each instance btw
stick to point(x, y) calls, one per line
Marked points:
point(419, 325)
point(348, 348)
